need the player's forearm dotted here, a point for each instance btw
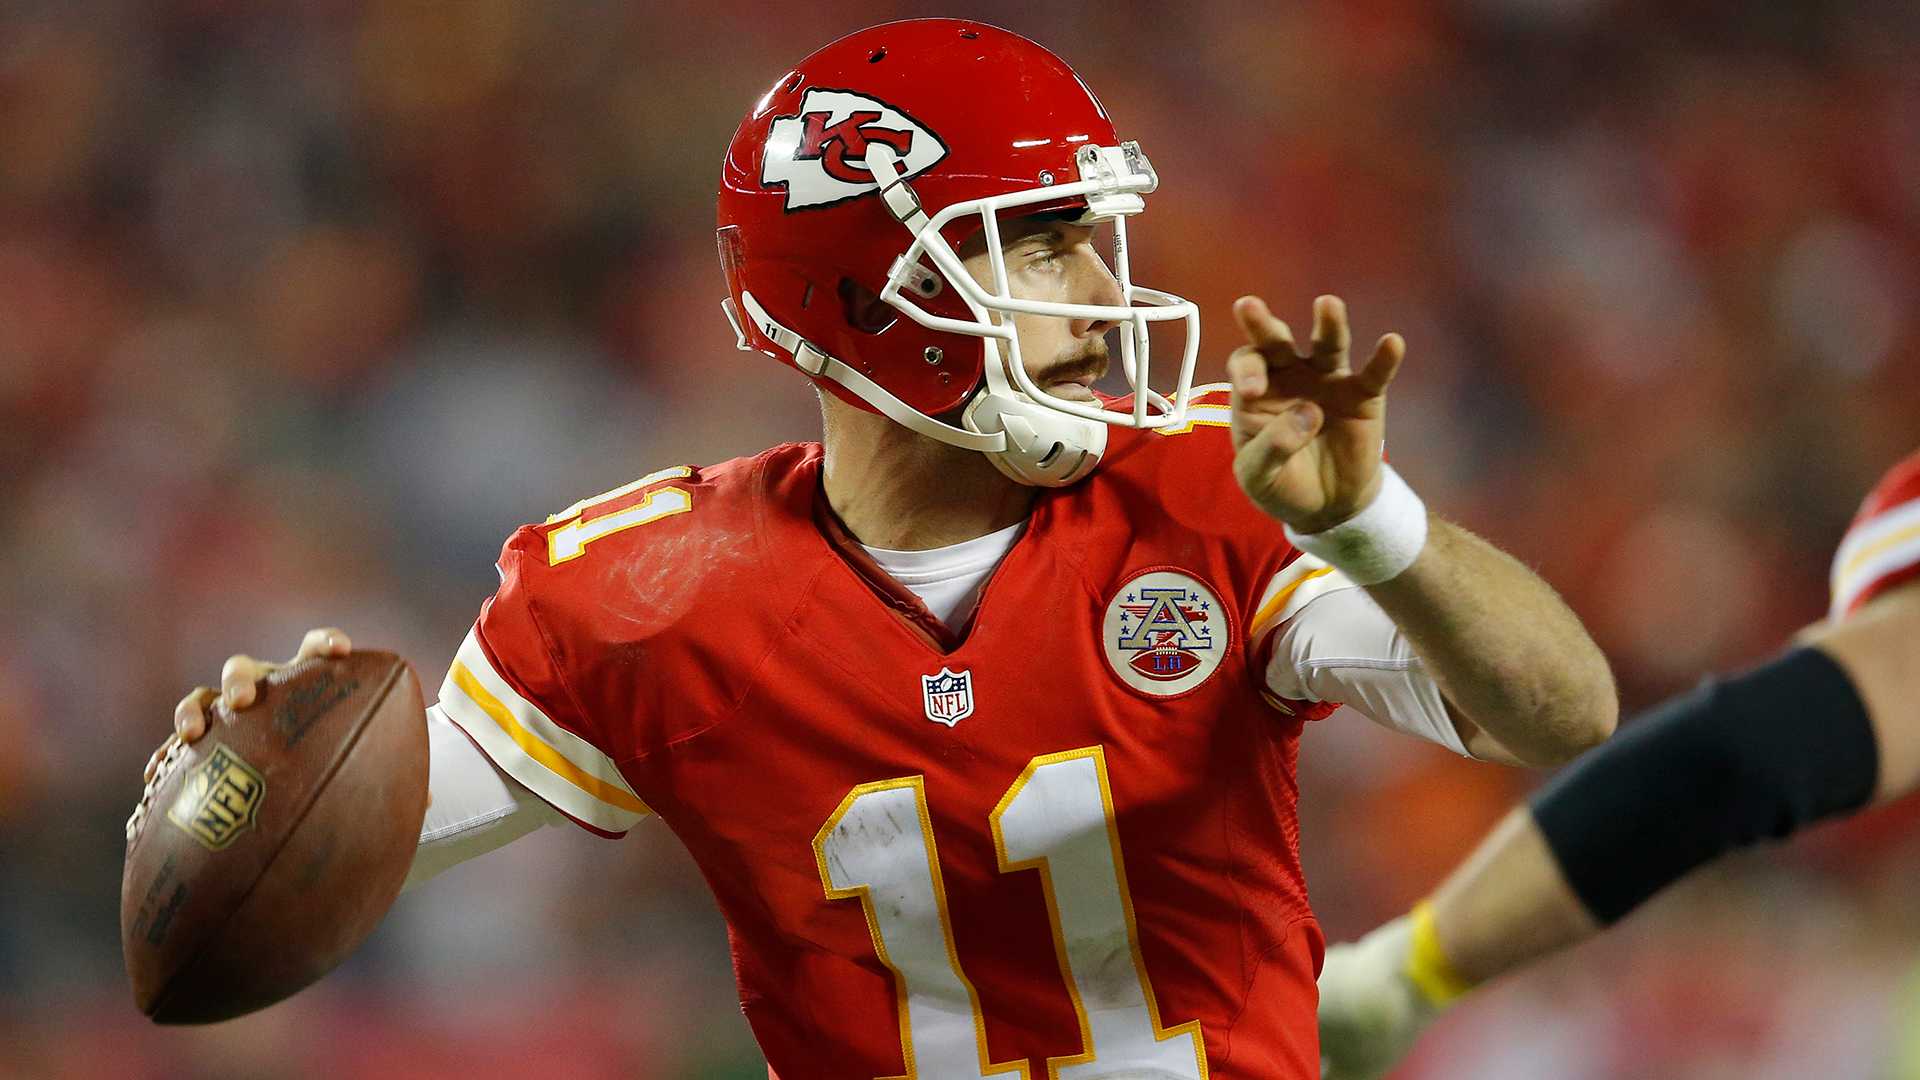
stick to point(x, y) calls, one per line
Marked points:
point(1507, 653)
point(1730, 764)
point(1507, 904)
point(1504, 907)
point(472, 806)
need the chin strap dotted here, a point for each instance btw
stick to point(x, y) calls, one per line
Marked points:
point(821, 366)
point(1026, 442)
point(1045, 448)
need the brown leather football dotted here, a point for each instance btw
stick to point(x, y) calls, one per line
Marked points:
point(267, 851)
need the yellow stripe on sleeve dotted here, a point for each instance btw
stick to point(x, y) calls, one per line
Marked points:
point(1278, 601)
point(539, 751)
point(1856, 559)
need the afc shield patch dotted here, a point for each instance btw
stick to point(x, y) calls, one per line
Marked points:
point(1164, 632)
point(219, 799)
point(817, 154)
point(948, 696)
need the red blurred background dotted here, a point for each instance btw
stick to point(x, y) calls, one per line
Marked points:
point(304, 306)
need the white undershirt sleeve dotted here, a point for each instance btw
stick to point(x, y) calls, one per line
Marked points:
point(1332, 643)
point(472, 807)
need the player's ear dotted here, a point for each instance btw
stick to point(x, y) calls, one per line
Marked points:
point(864, 309)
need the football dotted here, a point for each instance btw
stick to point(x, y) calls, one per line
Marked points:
point(266, 852)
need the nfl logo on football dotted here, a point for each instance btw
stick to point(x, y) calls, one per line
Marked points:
point(949, 696)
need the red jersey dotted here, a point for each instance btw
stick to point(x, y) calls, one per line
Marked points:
point(1061, 843)
point(1882, 546)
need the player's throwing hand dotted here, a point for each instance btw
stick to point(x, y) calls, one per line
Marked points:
point(1307, 428)
point(239, 687)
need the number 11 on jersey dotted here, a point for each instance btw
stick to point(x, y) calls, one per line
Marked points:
point(1057, 819)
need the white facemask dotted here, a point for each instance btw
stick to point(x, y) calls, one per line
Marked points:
point(1031, 435)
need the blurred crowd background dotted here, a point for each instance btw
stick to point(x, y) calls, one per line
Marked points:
point(305, 305)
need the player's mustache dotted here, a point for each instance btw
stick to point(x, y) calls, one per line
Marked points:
point(1091, 361)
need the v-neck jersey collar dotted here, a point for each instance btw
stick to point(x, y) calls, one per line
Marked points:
point(908, 607)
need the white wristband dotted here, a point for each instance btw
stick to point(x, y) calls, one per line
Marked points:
point(1377, 543)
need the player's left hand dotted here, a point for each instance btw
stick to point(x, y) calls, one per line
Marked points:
point(1307, 428)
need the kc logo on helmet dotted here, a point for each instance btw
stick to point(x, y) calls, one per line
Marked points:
point(817, 155)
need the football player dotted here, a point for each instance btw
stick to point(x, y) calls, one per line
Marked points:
point(980, 715)
point(1827, 728)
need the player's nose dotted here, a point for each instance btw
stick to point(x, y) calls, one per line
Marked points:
point(1097, 286)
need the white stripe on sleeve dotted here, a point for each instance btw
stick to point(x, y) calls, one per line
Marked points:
point(559, 766)
point(1884, 544)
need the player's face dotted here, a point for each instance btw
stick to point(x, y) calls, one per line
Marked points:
point(1049, 259)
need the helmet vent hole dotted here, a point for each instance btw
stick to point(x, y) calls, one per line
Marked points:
point(877, 55)
point(970, 34)
point(806, 297)
point(863, 308)
point(793, 80)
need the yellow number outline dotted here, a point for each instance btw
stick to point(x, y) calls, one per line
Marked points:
point(1040, 863)
point(570, 540)
point(864, 893)
point(1161, 1033)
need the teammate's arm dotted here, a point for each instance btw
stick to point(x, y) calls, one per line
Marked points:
point(1523, 679)
point(1820, 731)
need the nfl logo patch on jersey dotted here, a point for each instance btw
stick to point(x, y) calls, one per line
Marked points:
point(1165, 632)
point(949, 696)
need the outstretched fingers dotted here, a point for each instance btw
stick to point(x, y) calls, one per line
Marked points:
point(1332, 335)
point(1247, 370)
point(1268, 334)
point(1379, 372)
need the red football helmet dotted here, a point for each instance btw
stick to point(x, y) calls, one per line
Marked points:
point(856, 175)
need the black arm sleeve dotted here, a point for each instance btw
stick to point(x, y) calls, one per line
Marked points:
point(1737, 761)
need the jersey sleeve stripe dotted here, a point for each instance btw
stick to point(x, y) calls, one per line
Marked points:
point(1873, 550)
point(1872, 541)
point(1301, 581)
point(559, 766)
point(583, 754)
point(1899, 555)
point(1197, 415)
point(614, 803)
